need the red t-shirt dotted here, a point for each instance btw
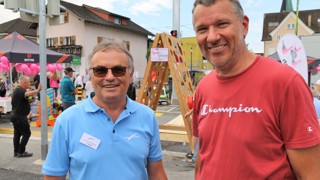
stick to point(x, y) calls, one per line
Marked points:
point(246, 122)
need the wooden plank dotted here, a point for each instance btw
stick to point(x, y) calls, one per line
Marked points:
point(171, 127)
point(174, 137)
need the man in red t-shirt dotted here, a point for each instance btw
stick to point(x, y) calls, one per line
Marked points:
point(254, 117)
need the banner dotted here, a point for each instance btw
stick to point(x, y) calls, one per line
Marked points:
point(291, 52)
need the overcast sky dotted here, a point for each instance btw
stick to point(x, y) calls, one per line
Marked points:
point(156, 15)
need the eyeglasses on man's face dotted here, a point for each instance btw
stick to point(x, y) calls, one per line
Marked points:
point(101, 71)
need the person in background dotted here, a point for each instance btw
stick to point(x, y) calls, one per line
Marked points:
point(54, 82)
point(67, 89)
point(195, 144)
point(3, 88)
point(78, 81)
point(20, 110)
point(36, 81)
point(254, 117)
point(107, 135)
point(48, 80)
point(89, 88)
point(132, 91)
point(86, 77)
point(8, 83)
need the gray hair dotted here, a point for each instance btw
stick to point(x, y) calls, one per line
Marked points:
point(111, 46)
point(23, 79)
point(235, 3)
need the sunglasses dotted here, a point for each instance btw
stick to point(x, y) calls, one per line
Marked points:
point(101, 71)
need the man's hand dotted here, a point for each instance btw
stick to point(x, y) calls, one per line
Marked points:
point(39, 87)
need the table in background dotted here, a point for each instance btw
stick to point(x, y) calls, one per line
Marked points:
point(5, 106)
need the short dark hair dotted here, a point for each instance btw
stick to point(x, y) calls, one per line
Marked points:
point(236, 5)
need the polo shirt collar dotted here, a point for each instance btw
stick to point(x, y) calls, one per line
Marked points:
point(90, 106)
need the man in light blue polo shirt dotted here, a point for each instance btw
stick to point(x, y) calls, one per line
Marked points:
point(108, 136)
point(67, 89)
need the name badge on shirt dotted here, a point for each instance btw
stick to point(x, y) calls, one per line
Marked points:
point(90, 141)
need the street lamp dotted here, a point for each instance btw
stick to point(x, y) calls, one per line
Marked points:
point(191, 59)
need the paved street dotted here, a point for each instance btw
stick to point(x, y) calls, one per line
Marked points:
point(30, 168)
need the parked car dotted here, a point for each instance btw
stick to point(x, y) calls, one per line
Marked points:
point(164, 96)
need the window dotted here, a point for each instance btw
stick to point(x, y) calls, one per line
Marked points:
point(126, 44)
point(117, 20)
point(64, 18)
point(52, 42)
point(49, 42)
point(68, 40)
point(273, 24)
point(290, 26)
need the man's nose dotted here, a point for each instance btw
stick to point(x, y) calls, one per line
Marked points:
point(213, 35)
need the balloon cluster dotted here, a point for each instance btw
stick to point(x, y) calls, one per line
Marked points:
point(31, 69)
point(4, 64)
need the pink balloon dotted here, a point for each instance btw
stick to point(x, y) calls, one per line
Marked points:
point(38, 68)
point(33, 67)
point(27, 71)
point(53, 68)
point(318, 68)
point(6, 68)
point(59, 67)
point(18, 67)
point(4, 60)
point(33, 73)
point(3, 65)
point(23, 67)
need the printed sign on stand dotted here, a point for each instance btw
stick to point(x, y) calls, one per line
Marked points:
point(159, 54)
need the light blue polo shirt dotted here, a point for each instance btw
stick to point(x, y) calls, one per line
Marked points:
point(86, 142)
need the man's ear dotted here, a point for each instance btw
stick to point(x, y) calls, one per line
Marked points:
point(132, 72)
point(245, 23)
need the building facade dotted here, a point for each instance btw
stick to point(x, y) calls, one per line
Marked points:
point(80, 28)
point(275, 25)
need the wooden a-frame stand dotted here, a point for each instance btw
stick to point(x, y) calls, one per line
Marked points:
point(157, 73)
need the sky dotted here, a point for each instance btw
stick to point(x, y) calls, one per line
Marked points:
point(156, 15)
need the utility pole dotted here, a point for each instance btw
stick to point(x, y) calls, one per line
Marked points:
point(176, 17)
point(43, 78)
point(175, 27)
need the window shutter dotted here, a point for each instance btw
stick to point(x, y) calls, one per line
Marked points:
point(99, 39)
point(73, 40)
point(55, 42)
